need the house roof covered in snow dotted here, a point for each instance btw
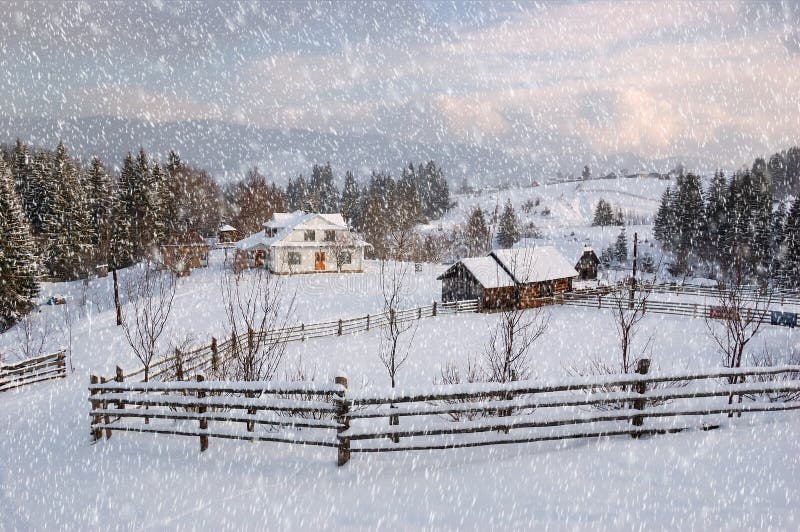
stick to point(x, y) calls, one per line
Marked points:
point(534, 265)
point(488, 272)
point(226, 229)
point(283, 223)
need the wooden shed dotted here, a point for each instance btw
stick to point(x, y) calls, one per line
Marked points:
point(182, 254)
point(523, 278)
point(587, 264)
point(227, 234)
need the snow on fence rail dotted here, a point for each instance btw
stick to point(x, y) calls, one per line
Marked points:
point(31, 370)
point(209, 358)
point(440, 417)
point(775, 296)
point(695, 310)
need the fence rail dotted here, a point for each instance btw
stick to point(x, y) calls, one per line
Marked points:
point(31, 370)
point(209, 358)
point(441, 417)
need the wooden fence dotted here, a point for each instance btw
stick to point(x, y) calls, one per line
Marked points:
point(441, 417)
point(775, 296)
point(209, 358)
point(36, 369)
point(675, 308)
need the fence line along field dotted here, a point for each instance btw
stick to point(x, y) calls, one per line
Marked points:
point(441, 417)
point(32, 370)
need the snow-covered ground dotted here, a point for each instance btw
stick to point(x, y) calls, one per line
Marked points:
point(739, 477)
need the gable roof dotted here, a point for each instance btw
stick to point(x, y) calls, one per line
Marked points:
point(285, 223)
point(534, 265)
point(486, 270)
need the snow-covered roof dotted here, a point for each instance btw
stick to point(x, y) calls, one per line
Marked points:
point(226, 229)
point(533, 265)
point(285, 223)
point(488, 272)
point(281, 220)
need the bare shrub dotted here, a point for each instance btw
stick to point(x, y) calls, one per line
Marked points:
point(450, 374)
point(506, 355)
point(33, 336)
point(257, 314)
point(150, 297)
point(767, 360)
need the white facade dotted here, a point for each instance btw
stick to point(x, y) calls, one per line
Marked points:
point(299, 242)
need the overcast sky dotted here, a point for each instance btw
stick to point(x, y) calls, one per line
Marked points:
point(654, 78)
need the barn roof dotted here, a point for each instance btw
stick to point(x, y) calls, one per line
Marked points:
point(488, 272)
point(533, 265)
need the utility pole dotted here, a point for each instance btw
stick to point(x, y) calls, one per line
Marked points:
point(633, 277)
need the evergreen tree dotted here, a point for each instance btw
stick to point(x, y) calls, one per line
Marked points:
point(126, 221)
point(323, 189)
point(791, 247)
point(665, 225)
point(161, 203)
point(603, 214)
point(66, 227)
point(621, 247)
point(405, 201)
point(777, 241)
point(689, 214)
point(776, 170)
point(792, 178)
point(587, 173)
point(18, 284)
point(761, 219)
point(715, 216)
point(476, 233)
point(99, 202)
point(291, 196)
point(508, 229)
point(350, 200)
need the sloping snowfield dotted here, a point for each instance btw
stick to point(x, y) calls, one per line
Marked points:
point(740, 477)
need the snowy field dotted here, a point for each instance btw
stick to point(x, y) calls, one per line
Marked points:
point(734, 478)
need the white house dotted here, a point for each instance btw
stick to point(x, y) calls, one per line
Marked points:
point(299, 242)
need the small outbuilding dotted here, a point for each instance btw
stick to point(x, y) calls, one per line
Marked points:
point(183, 253)
point(587, 264)
point(523, 278)
point(227, 234)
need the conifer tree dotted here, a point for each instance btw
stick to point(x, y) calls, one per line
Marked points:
point(18, 284)
point(621, 247)
point(791, 247)
point(126, 221)
point(476, 233)
point(715, 216)
point(603, 214)
point(664, 226)
point(350, 200)
point(99, 202)
point(508, 229)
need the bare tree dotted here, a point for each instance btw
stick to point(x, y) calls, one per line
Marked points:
point(628, 309)
point(507, 353)
point(342, 248)
point(150, 296)
point(732, 323)
point(394, 347)
point(33, 336)
point(768, 360)
point(257, 314)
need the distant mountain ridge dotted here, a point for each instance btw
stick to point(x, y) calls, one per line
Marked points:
point(227, 150)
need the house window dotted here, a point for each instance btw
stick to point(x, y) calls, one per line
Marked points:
point(546, 289)
point(330, 236)
point(294, 258)
point(309, 235)
point(346, 257)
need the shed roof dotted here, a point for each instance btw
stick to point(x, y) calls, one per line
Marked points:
point(533, 265)
point(488, 272)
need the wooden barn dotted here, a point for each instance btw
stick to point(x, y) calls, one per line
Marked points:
point(182, 254)
point(509, 277)
point(227, 234)
point(587, 265)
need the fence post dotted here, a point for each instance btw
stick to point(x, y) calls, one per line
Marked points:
point(96, 432)
point(480, 305)
point(201, 409)
point(302, 330)
point(367, 321)
point(339, 330)
point(599, 301)
point(250, 341)
point(214, 354)
point(234, 349)
point(106, 418)
point(419, 312)
point(644, 306)
point(62, 363)
point(434, 308)
point(642, 367)
point(119, 377)
point(344, 422)
point(178, 365)
point(695, 311)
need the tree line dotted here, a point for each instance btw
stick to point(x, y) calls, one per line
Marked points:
point(62, 218)
point(737, 227)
